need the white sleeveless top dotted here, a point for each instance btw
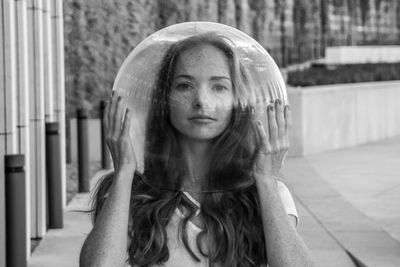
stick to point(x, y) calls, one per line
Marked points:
point(180, 257)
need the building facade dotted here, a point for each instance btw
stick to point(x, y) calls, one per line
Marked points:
point(31, 95)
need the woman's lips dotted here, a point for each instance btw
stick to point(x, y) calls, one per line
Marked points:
point(204, 119)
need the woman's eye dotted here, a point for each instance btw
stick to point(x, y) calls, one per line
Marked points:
point(183, 86)
point(219, 87)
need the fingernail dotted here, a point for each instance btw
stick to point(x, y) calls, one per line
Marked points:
point(288, 107)
point(270, 108)
point(279, 101)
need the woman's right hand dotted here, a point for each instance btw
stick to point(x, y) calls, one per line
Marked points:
point(116, 123)
point(106, 245)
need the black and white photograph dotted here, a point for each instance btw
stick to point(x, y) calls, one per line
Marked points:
point(200, 133)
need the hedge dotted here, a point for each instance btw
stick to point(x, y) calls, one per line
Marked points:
point(320, 75)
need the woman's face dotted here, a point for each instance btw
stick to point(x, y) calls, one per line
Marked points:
point(201, 98)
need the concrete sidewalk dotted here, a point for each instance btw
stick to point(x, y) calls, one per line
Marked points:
point(354, 194)
point(368, 176)
point(61, 247)
point(344, 198)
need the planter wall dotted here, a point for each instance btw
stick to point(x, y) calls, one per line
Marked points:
point(324, 118)
point(339, 116)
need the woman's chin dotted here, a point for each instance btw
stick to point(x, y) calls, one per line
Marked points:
point(200, 136)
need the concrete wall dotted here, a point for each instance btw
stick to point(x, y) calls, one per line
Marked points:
point(338, 116)
point(362, 54)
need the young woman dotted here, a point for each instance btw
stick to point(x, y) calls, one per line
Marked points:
point(209, 194)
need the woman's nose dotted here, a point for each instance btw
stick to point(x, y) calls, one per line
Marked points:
point(201, 98)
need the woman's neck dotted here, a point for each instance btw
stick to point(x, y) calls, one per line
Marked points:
point(196, 154)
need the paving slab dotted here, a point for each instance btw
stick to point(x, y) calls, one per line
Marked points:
point(358, 234)
point(368, 176)
point(324, 249)
point(61, 247)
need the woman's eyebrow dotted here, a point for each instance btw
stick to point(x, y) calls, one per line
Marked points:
point(220, 78)
point(212, 78)
point(184, 76)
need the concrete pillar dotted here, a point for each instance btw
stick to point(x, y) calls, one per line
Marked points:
point(23, 102)
point(59, 83)
point(10, 75)
point(8, 118)
point(37, 118)
point(48, 62)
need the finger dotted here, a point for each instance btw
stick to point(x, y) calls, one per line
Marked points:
point(118, 118)
point(113, 153)
point(288, 119)
point(288, 126)
point(127, 122)
point(264, 143)
point(111, 114)
point(267, 123)
point(283, 156)
point(273, 127)
point(280, 119)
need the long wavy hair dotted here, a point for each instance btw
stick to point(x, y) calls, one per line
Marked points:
point(231, 215)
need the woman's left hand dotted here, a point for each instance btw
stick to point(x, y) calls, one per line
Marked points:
point(274, 141)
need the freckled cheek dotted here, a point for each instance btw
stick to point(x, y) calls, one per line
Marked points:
point(179, 102)
point(176, 118)
point(225, 113)
point(179, 110)
point(224, 106)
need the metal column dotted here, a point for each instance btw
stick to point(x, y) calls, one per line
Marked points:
point(105, 153)
point(54, 182)
point(16, 245)
point(83, 150)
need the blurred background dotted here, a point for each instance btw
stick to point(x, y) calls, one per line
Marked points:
point(341, 62)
